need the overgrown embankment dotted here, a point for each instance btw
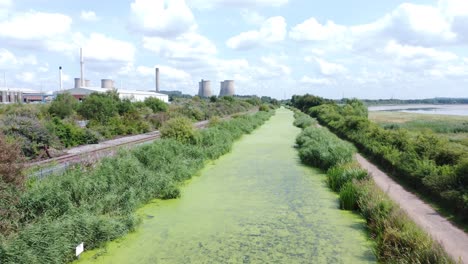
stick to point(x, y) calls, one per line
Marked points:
point(96, 203)
point(423, 160)
point(397, 238)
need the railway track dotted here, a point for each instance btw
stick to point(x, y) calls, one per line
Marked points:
point(100, 152)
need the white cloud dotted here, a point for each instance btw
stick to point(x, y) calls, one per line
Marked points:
point(35, 26)
point(162, 18)
point(5, 6)
point(408, 52)
point(89, 16)
point(8, 60)
point(203, 4)
point(100, 47)
point(272, 30)
point(329, 68)
point(312, 30)
point(189, 46)
point(315, 81)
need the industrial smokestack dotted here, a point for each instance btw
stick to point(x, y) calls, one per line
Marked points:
point(157, 80)
point(60, 78)
point(81, 68)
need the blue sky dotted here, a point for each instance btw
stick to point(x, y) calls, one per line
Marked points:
point(335, 48)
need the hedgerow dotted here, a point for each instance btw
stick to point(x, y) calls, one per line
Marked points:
point(422, 159)
point(397, 239)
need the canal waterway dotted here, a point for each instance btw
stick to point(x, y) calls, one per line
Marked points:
point(257, 204)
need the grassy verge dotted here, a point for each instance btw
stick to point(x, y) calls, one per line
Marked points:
point(397, 238)
point(96, 203)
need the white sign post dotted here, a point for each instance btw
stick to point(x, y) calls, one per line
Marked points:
point(79, 249)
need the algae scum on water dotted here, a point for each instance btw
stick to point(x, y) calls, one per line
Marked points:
point(257, 204)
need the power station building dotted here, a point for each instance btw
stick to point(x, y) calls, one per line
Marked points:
point(80, 92)
point(83, 87)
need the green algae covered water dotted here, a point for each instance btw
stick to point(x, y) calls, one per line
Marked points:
point(257, 204)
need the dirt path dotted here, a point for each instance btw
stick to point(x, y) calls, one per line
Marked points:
point(453, 239)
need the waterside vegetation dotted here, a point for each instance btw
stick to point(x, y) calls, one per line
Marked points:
point(95, 203)
point(427, 162)
point(397, 239)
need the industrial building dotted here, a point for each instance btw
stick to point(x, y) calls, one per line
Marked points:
point(227, 88)
point(83, 87)
point(23, 95)
point(204, 88)
point(80, 92)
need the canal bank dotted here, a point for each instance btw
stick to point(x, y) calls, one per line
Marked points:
point(255, 204)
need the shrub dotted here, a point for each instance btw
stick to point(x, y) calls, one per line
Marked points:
point(31, 134)
point(302, 120)
point(64, 105)
point(180, 129)
point(264, 108)
point(100, 107)
point(339, 175)
point(156, 105)
point(319, 147)
point(12, 182)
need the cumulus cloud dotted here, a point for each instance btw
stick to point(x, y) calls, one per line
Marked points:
point(89, 16)
point(272, 30)
point(408, 52)
point(8, 60)
point(330, 68)
point(161, 18)
point(189, 46)
point(34, 25)
point(100, 47)
point(312, 30)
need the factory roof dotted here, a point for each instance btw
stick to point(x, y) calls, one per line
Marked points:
point(121, 91)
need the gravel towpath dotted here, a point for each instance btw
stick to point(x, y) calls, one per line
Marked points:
point(453, 239)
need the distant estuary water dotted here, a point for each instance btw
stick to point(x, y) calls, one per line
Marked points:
point(257, 204)
point(457, 110)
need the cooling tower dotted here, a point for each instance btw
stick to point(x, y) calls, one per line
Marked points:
point(204, 88)
point(87, 83)
point(227, 88)
point(107, 83)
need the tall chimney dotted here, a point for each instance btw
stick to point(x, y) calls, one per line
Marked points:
point(81, 68)
point(157, 80)
point(60, 78)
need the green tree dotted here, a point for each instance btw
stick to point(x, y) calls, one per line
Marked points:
point(155, 104)
point(63, 106)
point(100, 107)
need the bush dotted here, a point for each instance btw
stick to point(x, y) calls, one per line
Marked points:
point(100, 107)
point(156, 105)
point(32, 135)
point(302, 120)
point(12, 182)
point(180, 129)
point(349, 196)
point(64, 105)
point(72, 135)
point(339, 175)
point(264, 107)
point(319, 147)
